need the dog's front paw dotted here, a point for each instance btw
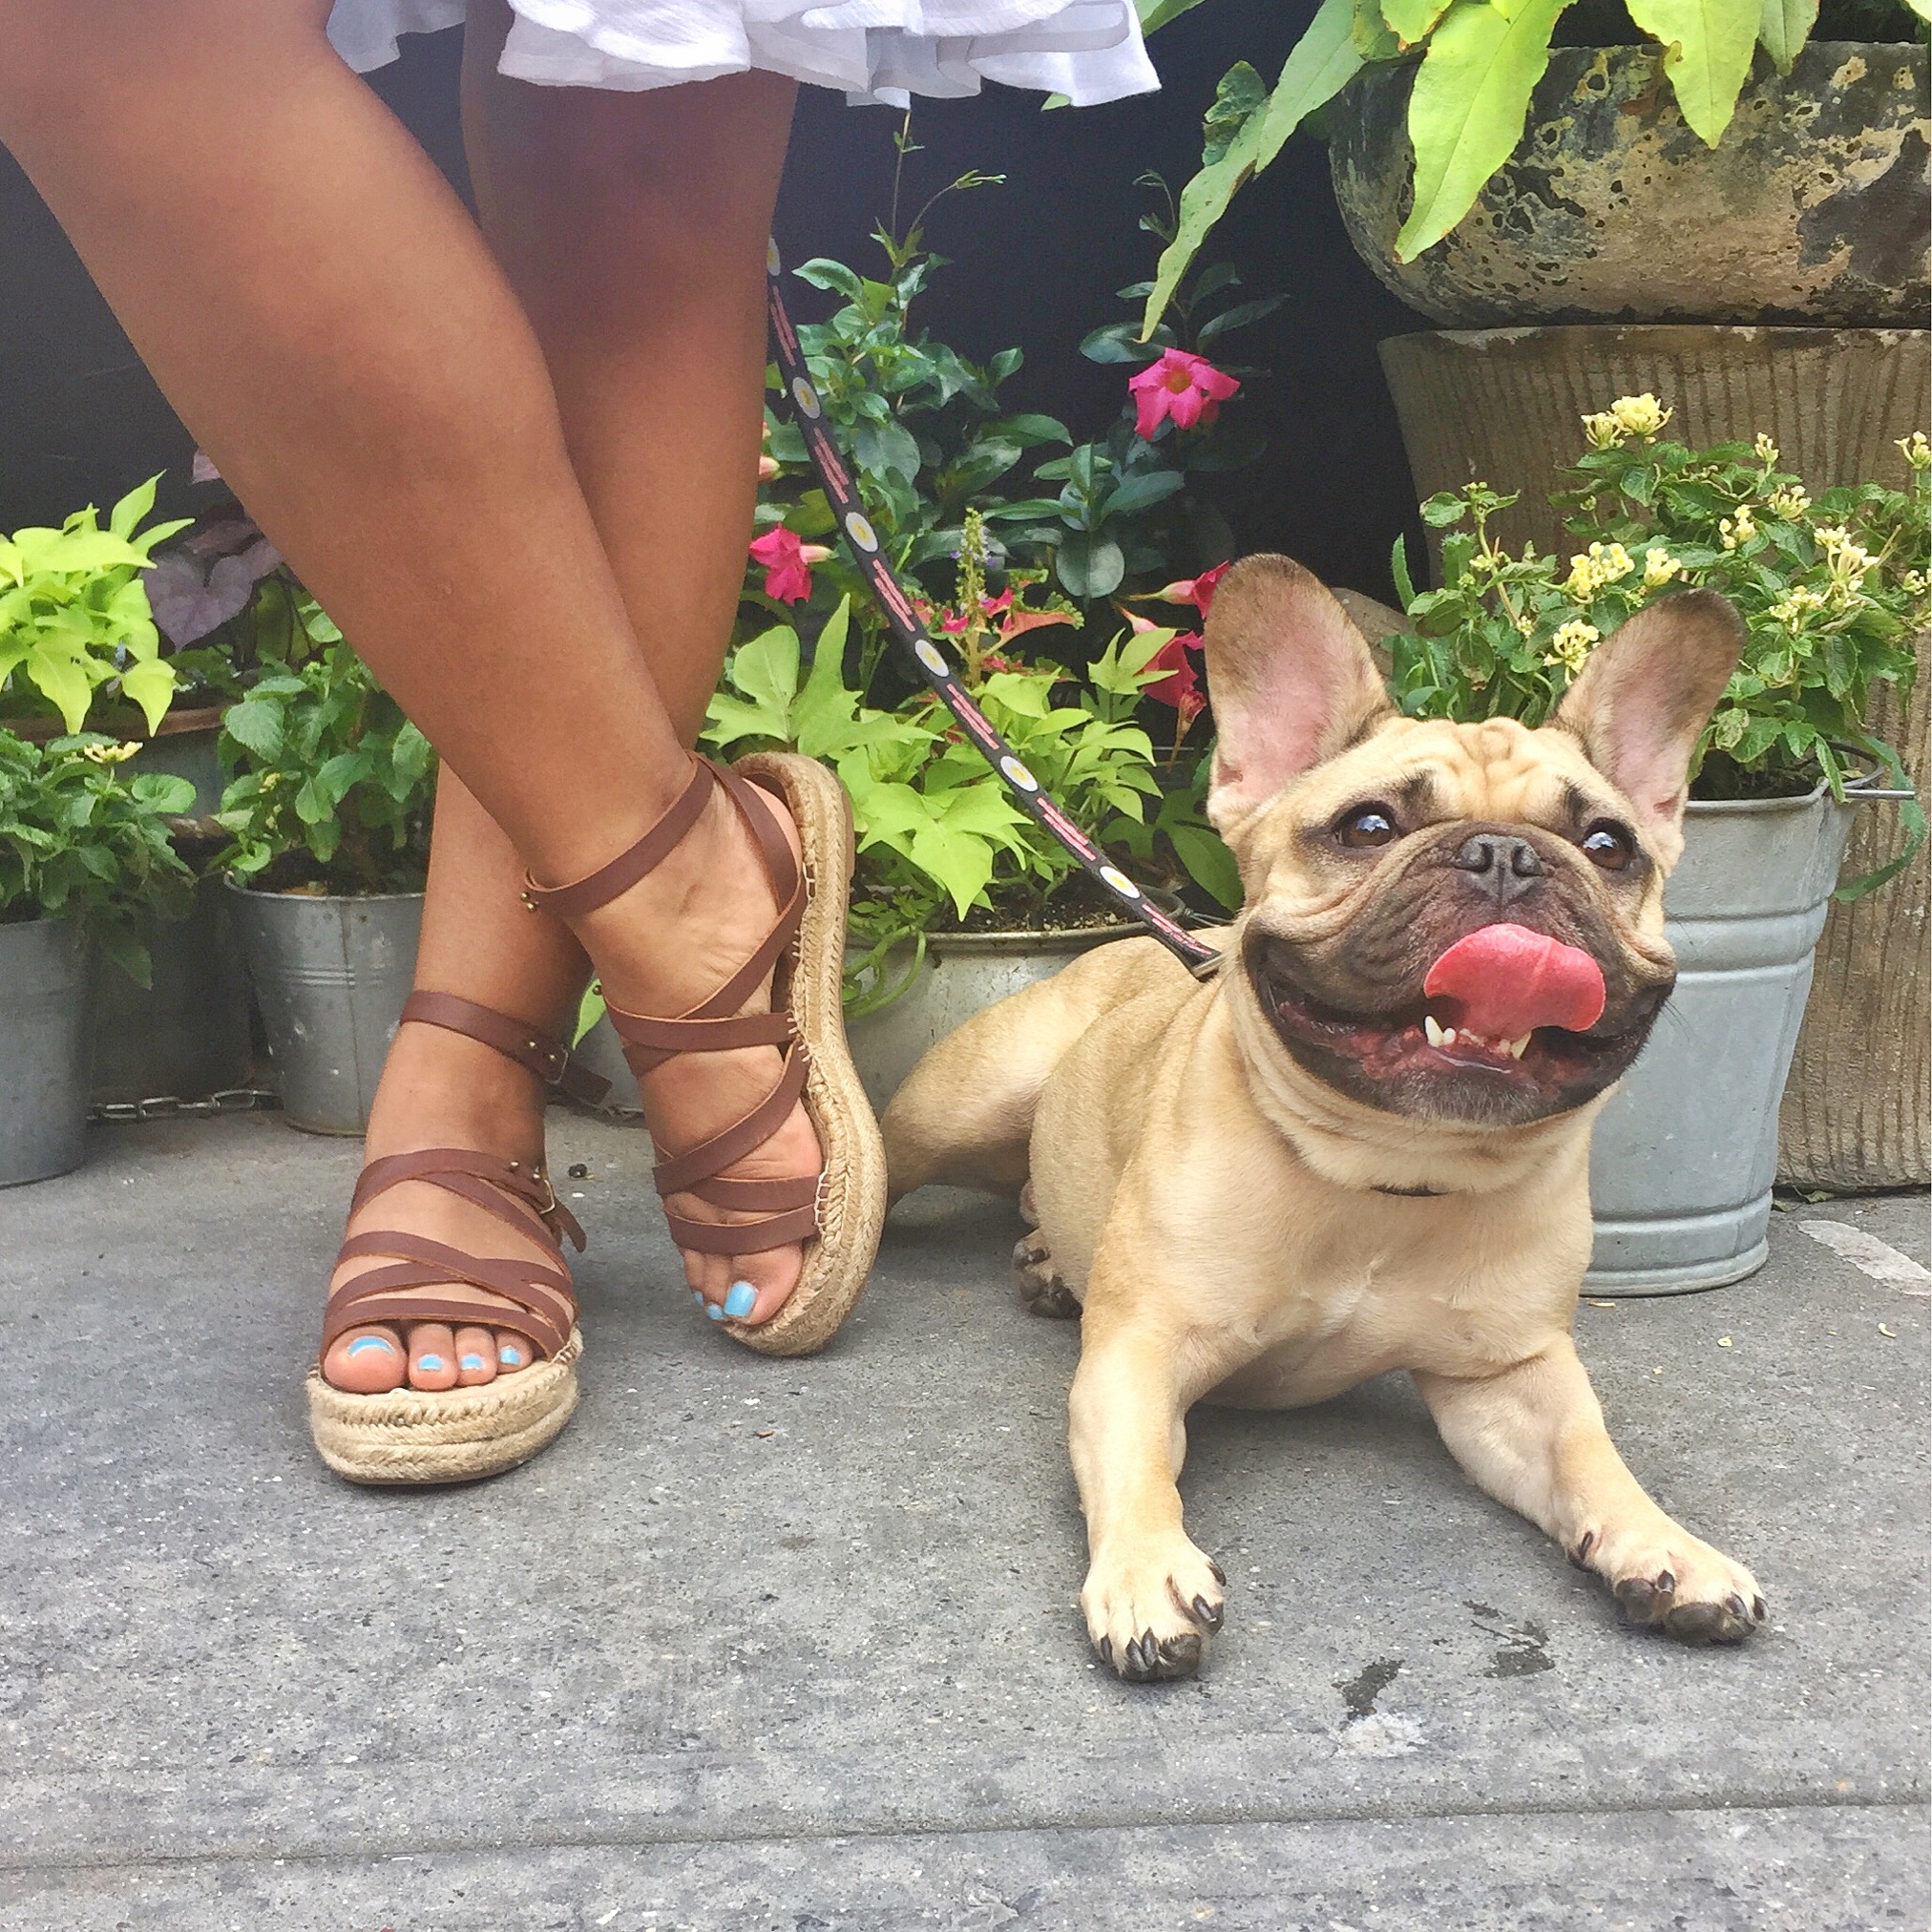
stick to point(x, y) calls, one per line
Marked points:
point(1674, 1580)
point(1041, 1290)
point(1151, 1610)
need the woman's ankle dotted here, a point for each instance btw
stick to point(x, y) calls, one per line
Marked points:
point(441, 1088)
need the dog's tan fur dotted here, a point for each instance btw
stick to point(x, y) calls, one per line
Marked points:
point(1213, 1206)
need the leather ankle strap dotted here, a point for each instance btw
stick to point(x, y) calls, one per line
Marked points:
point(515, 1038)
point(636, 862)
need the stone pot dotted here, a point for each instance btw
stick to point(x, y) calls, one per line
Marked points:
point(1686, 1151)
point(330, 975)
point(43, 1049)
point(1812, 208)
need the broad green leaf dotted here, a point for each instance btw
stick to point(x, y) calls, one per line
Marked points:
point(1708, 45)
point(1154, 14)
point(1142, 491)
point(1321, 64)
point(163, 792)
point(1090, 566)
point(62, 681)
point(256, 725)
point(1467, 110)
point(1784, 25)
point(1368, 33)
point(150, 684)
point(1923, 9)
point(765, 669)
point(125, 518)
point(589, 1009)
point(1241, 94)
point(1209, 864)
point(1410, 20)
point(958, 860)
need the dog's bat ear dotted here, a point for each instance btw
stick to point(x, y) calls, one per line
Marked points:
point(1643, 698)
point(1290, 680)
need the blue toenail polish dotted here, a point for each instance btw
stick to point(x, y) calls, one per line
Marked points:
point(716, 1313)
point(741, 1301)
point(430, 1362)
point(362, 1342)
point(510, 1358)
point(471, 1362)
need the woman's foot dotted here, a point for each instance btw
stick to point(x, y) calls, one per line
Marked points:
point(440, 1089)
point(663, 948)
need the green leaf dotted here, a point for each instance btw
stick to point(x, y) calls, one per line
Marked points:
point(1142, 491)
point(1467, 110)
point(589, 1009)
point(256, 725)
point(1398, 571)
point(1209, 864)
point(1321, 64)
point(765, 669)
point(150, 684)
point(1410, 20)
point(1090, 565)
point(1708, 45)
point(1241, 93)
point(1784, 25)
point(1155, 14)
point(1368, 33)
point(125, 518)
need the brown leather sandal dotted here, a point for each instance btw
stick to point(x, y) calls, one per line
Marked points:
point(457, 1434)
point(838, 1212)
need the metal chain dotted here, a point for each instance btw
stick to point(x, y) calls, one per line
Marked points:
point(173, 1107)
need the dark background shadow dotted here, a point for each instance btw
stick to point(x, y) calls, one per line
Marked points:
point(1035, 262)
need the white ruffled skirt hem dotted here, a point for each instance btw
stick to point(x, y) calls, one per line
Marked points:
point(874, 49)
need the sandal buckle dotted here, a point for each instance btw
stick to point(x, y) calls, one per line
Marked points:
point(548, 1060)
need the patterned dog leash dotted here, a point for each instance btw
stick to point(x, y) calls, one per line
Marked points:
point(862, 542)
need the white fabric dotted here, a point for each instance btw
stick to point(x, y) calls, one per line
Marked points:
point(876, 49)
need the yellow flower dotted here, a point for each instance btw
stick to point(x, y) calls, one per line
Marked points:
point(1571, 645)
point(1790, 504)
point(1603, 430)
point(1604, 563)
point(109, 755)
point(1915, 449)
point(1640, 415)
point(1738, 530)
point(1796, 605)
point(1767, 449)
point(1659, 568)
point(1913, 584)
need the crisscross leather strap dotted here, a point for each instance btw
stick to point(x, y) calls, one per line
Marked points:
point(533, 1299)
point(549, 1060)
point(716, 1025)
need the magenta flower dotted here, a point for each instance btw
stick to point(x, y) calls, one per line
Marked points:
point(1187, 388)
point(1197, 591)
point(787, 563)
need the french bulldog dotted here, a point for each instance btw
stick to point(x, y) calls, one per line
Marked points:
point(1363, 1143)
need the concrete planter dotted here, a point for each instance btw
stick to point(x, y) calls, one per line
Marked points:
point(43, 1050)
point(1685, 1151)
point(1810, 209)
point(330, 975)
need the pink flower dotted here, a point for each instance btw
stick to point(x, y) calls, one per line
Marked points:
point(1197, 591)
point(1181, 687)
point(1187, 387)
point(787, 561)
point(768, 469)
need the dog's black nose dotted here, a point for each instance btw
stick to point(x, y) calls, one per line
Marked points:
point(1509, 867)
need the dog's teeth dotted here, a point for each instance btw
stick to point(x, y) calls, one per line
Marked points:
point(1432, 1032)
point(1515, 1047)
point(1448, 1036)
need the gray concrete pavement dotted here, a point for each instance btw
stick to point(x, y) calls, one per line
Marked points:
point(792, 1645)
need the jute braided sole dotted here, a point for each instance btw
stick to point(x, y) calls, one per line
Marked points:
point(413, 1435)
point(851, 1199)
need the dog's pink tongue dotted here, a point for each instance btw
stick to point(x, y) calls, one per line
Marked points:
point(1509, 980)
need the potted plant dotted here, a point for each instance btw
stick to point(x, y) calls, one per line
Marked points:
point(328, 818)
point(1832, 592)
point(84, 852)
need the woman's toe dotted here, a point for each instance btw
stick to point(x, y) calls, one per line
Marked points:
point(366, 1361)
point(513, 1352)
point(475, 1356)
point(432, 1356)
point(759, 1284)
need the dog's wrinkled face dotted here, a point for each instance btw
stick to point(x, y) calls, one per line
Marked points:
point(1370, 845)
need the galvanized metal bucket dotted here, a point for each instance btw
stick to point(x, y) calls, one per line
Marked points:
point(331, 976)
point(43, 1050)
point(187, 1033)
point(1685, 1151)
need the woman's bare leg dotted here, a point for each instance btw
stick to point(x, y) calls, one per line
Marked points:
point(324, 314)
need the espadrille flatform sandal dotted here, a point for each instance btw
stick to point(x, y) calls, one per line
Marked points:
point(838, 1212)
point(411, 1436)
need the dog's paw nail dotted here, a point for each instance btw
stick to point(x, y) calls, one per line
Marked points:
point(1210, 1614)
point(1581, 1554)
point(1105, 1647)
point(1695, 1623)
point(1738, 1607)
point(1220, 1575)
point(1758, 1610)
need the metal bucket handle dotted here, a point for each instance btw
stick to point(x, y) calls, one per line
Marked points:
point(1865, 789)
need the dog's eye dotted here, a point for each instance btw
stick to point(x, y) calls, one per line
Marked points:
point(1608, 845)
point(1367, 824)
